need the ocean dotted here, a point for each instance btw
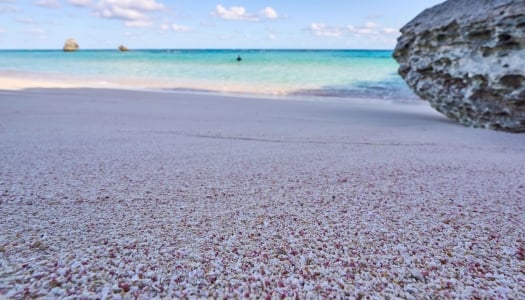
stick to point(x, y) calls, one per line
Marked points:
point(343, 74)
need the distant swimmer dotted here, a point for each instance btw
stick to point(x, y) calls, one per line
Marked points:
point(239, 58)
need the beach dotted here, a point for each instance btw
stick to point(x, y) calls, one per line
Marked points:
point(131, 194)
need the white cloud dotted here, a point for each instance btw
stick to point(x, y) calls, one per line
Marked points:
point(369, 29)
point(7, 9)
point(165, 27)
point(240, 13)
point(25, 21)
point(2, 30)
point(48, 3)
point(6, 6)
point(389, 30)
point(80, 3)
point(180, 28)
point(134, 13)
point(272, 37)
point(137, 5)
point(233, 13)
point(123, 13)
point(320, 29)
point(269, 13)
point(138, 23)
point(174, 27)
point(36, 31)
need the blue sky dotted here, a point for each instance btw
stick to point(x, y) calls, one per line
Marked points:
point(100, 24)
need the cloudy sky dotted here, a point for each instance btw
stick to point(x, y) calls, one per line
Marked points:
point(354, 24)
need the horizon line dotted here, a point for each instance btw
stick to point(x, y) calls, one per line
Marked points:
point(237, 49)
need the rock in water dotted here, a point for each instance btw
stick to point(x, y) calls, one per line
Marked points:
point(122, 48)
point(467, 58)
point(70, 45)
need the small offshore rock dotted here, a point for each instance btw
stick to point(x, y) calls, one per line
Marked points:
point(70, 45)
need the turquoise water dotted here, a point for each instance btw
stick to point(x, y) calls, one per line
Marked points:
point(326, 73)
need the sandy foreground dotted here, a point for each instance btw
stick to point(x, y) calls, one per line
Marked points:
point(137, 195)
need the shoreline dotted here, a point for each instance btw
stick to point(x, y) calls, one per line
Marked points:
point(24, 80)
point(114, 193)
point(16, 81)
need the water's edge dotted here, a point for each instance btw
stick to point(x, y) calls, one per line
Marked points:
point(343, 74)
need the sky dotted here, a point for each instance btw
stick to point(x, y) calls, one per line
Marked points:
point(205, 24)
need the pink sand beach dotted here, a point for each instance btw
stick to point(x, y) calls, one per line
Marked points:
point(122, 194)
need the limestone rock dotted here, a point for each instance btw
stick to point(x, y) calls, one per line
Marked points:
point(70, 45)
point(122, 48)
point(467, 58)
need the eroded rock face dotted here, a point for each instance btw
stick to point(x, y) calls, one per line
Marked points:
point(70, 45)
point(467, 58)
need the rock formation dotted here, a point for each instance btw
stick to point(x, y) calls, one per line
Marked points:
point(122, 48)
point(70, 45)
point(467, 58)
